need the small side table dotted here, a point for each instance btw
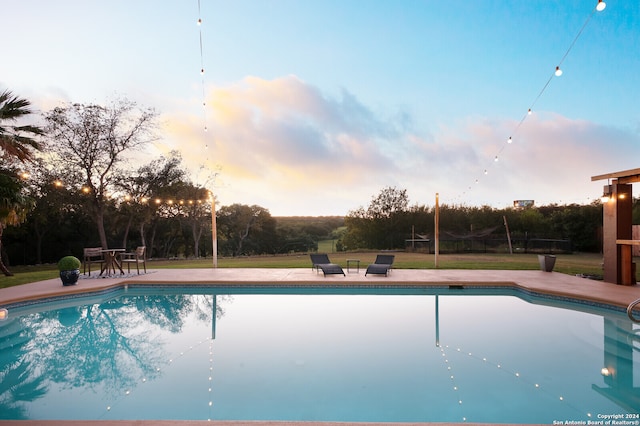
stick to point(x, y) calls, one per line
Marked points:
point(357, 262)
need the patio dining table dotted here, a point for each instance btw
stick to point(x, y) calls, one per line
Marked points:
point(111, 261)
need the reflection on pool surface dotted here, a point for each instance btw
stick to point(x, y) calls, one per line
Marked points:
point(165, 353)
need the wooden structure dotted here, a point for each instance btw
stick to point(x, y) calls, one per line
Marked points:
point(617, 237)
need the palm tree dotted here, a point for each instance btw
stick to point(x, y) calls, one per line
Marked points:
point(16, 141)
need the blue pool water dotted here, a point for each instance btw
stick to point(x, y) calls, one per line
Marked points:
point(414, 356)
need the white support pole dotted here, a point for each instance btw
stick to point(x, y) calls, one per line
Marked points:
point(437, 229)
point(214, 232)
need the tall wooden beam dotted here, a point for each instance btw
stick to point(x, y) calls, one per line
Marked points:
point(617, 213)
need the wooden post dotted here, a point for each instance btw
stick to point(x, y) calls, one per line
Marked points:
point(214, 232)
point(506, 225)
point(413, 238)
point(617, 220)
point(437, 230)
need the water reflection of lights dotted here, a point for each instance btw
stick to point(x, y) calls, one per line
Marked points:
point(171, 361)
point(500, 367)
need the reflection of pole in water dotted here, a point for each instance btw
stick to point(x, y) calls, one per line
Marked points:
point(618, 373)
point(437, 323)
point(214, 309)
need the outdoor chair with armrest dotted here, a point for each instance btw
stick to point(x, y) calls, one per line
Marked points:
point(136, 257)
point(92, 255)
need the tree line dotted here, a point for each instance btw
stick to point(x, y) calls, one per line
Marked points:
point(389, 221)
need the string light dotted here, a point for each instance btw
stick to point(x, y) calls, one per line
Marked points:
point(202, 66)
point(600, 6)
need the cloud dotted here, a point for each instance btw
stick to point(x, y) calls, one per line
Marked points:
point(294, 149)
point(285, 136)
point(551, 159)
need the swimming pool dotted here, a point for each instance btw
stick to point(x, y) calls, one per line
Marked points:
point(413, 355)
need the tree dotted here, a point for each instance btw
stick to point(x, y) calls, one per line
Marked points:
point(151, 181)
point(383, 225)
point(14, 205)
point(190, 205)
point(389, 201)
point(246, 229)
point(92, 139)
point(17, 141)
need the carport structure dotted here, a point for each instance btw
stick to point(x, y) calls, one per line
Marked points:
point(617, 239)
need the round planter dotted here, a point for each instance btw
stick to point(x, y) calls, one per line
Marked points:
point(70, 277)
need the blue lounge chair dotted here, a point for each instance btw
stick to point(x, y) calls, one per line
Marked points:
point(382, 265)
point(321, 261)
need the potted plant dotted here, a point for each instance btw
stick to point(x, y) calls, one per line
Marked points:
point(69, 267)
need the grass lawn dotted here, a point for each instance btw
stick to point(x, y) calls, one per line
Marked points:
point(565, 263)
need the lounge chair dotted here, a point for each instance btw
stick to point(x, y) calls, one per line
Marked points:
point(382, 265)
point(321, 262)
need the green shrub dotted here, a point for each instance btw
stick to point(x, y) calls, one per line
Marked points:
point(69, 263)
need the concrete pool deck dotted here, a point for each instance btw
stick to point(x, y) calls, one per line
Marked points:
point(548, 283)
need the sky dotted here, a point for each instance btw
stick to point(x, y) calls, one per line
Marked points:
point(312, 107)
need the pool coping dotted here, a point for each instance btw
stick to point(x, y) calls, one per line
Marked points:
point(538, 283)
point(551, 284)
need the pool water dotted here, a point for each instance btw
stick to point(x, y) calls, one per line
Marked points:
point(199, 354)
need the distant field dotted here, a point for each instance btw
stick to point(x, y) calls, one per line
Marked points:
point(569, 263)
point(327, 246)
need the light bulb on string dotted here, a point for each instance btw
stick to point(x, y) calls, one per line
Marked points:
point(202, 71)
point(199, 21)
point(600, 6)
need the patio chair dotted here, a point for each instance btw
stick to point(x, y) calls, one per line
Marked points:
point(382, 265)
point(136, 257)
point(320, 261)
point(92, 255)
